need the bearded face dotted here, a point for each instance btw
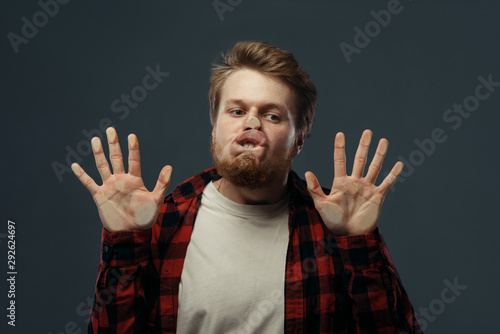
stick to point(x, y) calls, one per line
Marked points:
point(254, 138)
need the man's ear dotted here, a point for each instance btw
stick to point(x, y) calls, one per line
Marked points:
point(300, 143)
point(213, 133)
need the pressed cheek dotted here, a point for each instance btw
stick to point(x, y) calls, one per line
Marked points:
point(287, 137)
point(222, 133)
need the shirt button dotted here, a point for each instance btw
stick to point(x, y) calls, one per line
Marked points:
point(106, 248)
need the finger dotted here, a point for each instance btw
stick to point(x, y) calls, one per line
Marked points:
point(313, 186)
point(339, 155)
point(391, 178)
point(115, 153)
point(86, 180)
point(377, 161)
point(134, 158)
point(360, 157)
point(100, 159)
point(163, 182)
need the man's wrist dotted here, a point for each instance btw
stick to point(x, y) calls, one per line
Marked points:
point(125, 248)
point(361, 252)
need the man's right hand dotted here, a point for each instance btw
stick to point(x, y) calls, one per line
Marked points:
point(123, 201)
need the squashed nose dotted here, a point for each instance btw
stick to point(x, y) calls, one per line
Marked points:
point(253, 122)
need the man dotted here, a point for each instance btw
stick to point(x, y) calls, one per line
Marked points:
point(247, 246)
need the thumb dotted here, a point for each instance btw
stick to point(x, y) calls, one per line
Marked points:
point(313, 186)
point(163, 182)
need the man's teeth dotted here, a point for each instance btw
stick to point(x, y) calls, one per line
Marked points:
point(248, 145)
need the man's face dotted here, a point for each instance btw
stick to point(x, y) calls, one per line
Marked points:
point(254, 139)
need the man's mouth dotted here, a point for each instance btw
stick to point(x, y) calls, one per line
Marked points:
point(251, 139)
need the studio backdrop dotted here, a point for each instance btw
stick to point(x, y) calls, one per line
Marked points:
point(423, 74)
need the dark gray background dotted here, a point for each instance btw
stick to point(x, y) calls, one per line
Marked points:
point(440, 223)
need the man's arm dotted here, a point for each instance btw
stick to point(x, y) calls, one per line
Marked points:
point(380, 302)
point(351, 212)
point(128, 212)
point(125, 293)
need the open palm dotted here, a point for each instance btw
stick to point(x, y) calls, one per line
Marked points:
point(354, 203)
point(123, 201)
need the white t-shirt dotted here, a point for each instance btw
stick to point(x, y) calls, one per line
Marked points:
point(234, 272)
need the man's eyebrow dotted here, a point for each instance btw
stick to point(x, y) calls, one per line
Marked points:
point(265, 106)
point(235, 101)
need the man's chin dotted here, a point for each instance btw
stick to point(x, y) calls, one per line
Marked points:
point(245, 170)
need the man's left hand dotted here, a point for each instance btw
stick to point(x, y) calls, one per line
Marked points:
point(354, 203)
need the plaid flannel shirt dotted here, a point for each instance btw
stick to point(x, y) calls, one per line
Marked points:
point(333, 284)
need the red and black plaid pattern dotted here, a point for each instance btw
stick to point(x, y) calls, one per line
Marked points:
point(332, 284)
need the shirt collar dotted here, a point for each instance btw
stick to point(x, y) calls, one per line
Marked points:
point(193, 187)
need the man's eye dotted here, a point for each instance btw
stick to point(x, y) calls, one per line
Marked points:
point(237, 112)
point(273, 118)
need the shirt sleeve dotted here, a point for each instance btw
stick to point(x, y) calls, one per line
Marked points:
point(380, 303)
point(123, 300)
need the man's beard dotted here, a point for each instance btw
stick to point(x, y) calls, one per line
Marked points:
point(244, 171)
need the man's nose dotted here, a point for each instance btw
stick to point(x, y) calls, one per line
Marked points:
point(252, 122)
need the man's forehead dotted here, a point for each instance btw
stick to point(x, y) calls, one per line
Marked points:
point(250, 87)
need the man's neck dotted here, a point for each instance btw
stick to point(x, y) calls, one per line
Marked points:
point(273, 193)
